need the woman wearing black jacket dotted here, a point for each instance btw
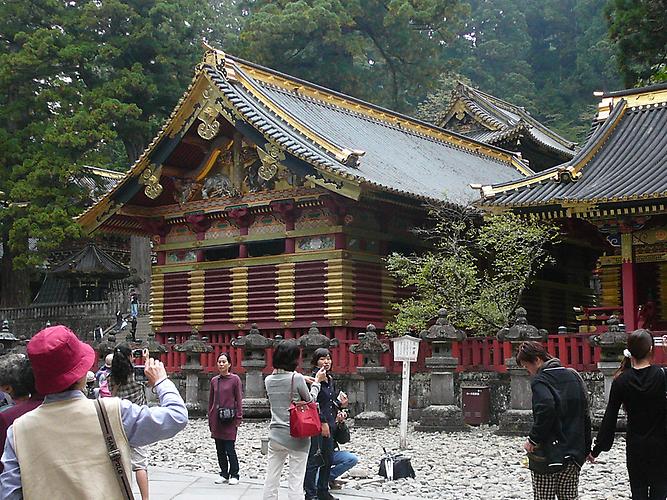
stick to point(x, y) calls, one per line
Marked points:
point(318, 470)
point(640, 388)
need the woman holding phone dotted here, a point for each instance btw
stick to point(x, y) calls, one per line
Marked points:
point(123, 385)
point(320, 457)
point(225, 412)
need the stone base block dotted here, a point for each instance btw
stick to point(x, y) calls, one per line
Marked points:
point(256, 409)
point(621, 423)
point(515, 423)
point(195, 410)
point(436, 418)
point(371, 419)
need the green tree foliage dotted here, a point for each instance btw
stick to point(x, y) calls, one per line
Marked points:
point(477, 270)
point(548, 56)
point(638, 29)
point(384, 51)
point(81, 83)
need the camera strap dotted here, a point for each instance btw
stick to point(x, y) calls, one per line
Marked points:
point(114, 452)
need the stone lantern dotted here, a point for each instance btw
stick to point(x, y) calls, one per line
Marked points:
point(518, 419)
point(254, 346)
point(21, 346)
point(194, 347)
point(7, 338)
point(314, 340)
point(372, 371)
point(442, 414)
point(155, 349)
point(105, 346)
point(611, 344)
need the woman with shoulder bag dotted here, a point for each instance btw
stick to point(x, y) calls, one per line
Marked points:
point(640, 388)
point(225, 412)
point(320, 459)
point(283, 386)
point(121, 384)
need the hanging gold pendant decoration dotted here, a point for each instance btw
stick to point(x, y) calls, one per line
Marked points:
point(151, 178)
point(270, 159)
point(209, 127)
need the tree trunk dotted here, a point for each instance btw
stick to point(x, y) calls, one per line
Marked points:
point(14, 284)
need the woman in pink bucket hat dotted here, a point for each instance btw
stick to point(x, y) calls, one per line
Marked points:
point(46, 456)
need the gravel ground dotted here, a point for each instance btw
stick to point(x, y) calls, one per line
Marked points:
point(477, 465)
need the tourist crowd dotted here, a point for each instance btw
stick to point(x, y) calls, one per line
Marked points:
point(52, 387)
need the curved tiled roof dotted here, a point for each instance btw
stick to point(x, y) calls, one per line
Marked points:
point(331, 136)
point(505, 120)
point(625, 159)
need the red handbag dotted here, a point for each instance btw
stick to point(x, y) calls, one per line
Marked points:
point(304, 418)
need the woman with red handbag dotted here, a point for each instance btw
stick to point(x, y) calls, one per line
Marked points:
point(225, 411)
point(282, 387)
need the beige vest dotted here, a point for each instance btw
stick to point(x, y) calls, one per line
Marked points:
point(62, 453)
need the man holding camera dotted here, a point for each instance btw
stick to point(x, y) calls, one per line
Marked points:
point(46, 456)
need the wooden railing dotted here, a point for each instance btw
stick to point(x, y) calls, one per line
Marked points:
point(52, 312)
point(475, 354)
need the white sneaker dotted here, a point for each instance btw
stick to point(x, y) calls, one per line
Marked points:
point(233, 481)
point(220, 480)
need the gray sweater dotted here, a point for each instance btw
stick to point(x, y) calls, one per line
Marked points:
point(278, 392)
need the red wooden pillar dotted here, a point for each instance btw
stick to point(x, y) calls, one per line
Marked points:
point(628, 283)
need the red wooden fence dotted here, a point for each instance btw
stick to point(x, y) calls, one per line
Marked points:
point(475, 354)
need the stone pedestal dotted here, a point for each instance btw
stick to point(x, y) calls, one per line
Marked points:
point(518, 420)
point(371, 416)
point(255, 402)
point(608, 369)
point(371, 349)
point(442, 414)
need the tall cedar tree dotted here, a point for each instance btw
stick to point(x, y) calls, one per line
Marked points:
point(548, 56)
point(639, 31)
point(81, 83)
point(386, 52)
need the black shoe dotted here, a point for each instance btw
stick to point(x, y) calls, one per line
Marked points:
point(325, 495)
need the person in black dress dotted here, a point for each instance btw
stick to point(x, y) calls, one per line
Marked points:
point(640, 388)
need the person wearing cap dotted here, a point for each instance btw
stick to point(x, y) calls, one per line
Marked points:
point(44, 453)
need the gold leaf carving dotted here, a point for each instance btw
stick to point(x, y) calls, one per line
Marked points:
point(209, 127)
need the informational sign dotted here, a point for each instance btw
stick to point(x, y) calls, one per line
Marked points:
point(406, 350)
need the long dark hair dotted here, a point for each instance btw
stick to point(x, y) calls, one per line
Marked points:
point(121, 366)
point(640, 344)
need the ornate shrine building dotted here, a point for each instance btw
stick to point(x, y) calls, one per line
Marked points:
point(271, 200)
point(611, 198)
point(486, 118)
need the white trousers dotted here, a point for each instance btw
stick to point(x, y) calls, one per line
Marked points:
point(297, 471)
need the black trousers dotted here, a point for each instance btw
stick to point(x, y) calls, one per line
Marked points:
point(318, 468)
point(227, 459)
point(647, 483)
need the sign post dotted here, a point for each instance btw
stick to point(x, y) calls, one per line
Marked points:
point(406, 350)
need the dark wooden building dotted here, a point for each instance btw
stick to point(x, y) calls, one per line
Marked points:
point(488, 119)
point(273, 200)
point(611, 200)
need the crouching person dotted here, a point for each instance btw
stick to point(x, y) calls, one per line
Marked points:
point(59, 450)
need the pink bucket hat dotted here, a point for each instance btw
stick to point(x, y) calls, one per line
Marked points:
point(58, 359)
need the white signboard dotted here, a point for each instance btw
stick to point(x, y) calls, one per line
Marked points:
point(406, 350)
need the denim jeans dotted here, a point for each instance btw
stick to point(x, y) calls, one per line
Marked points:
point(342, 462)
